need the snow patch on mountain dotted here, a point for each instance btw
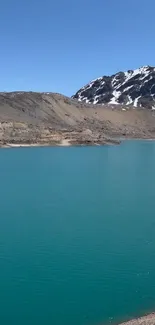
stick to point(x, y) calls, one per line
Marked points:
point(116, 95)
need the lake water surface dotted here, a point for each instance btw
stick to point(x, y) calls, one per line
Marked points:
point(77, 234)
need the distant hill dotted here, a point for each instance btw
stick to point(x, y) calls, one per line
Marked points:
point(51, 119)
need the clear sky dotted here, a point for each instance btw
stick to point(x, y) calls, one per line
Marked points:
point(60, 45)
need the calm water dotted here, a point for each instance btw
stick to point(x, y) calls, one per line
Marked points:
point(77, 234)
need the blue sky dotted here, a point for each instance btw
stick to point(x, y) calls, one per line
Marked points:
point(61, 45)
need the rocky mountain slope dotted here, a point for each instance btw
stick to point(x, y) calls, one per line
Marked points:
point(134, 87)
point(28, 118)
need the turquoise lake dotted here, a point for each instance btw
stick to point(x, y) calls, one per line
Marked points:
point(77, 234)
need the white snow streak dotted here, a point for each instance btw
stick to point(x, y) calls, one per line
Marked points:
point(127, 88)
point(129, 100)
point(136, 101)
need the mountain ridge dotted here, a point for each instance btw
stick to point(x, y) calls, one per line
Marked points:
point(133, 87)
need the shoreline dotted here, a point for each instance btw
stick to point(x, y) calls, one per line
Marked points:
point(148, 319)
point(71, 143)
point(61, 143)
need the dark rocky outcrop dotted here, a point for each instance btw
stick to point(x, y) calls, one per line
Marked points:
point(134, 88)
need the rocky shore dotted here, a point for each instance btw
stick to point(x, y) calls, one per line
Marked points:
point(24, 135)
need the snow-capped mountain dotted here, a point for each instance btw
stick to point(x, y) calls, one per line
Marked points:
point(134, 87)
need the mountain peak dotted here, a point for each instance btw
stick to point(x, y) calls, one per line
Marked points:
point(133, 88)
